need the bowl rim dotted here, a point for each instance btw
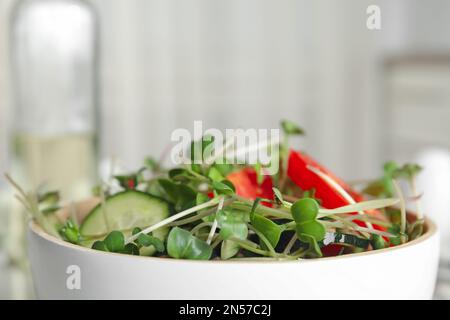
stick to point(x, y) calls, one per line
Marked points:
point(430, 231)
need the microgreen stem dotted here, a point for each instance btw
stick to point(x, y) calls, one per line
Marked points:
point(265, 240)
point(218, 153)
point(250, 246)
point(15, 185)
point(419, 212)
point(360, 206)
point(263, 210)
point(31, 205)
point(214, 226)
point(399, 193)
point(197, 175)
point(216, 242)
point(299, 253)
point(290, 244)
point(367, 218)
point(199, 226)
point(173, 218)
point(191, 219)
point(341, 225)
point(197, 216)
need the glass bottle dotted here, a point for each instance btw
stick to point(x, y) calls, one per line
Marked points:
point(54, 67)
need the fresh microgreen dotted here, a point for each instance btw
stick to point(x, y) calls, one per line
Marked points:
point(181, 195)
point(99, 245)
point(224, 187)
point(215, 175)
point(290, 128)
point(305, 212)
point(195, 212)
point(131, 249)
point(232, 223)
point(378, 242)
point(268, 228)
point(145, 240)
point(152, 165)
point(115, 241)
point(70, 233)
point(181, 244)
point(278, 197)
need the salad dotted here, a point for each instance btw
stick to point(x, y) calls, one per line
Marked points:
point(232, 211)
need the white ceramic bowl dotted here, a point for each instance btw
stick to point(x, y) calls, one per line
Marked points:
point(65, 271)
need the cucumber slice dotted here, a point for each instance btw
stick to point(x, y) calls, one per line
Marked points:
point(125, 211)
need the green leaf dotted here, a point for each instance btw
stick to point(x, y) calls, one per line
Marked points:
point(312, 228)
point(170, 188)
point(115, 241)
point(181, 195)
point(97, 190)
point(232, 224)
point(215, 175)
point(224, 187)
point(378, 242)
point(99, 245)
point(178, 174)
point(415, 230)
point(408, 171)
point(136, 231)
point(151, 164)
point(155, 189)
point(146, 240)
point(305, 210)
point(224, 168)
point(313, 249)
point(198, 148)
point(128, 182)
point(229, 249)
point(389, 168)
point(278, 195)
point(71, 235)
point(50, 210)
point(291, 128)
point(201, 198)
point(49, 198)
point(131, 249)
point(254, 207)
point(181, 244)
point(70, 232)
point(268, 228)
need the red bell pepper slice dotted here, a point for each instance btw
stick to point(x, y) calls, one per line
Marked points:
point(246, 184)
point(299, 173)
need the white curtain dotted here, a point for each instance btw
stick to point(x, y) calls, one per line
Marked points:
point(249, 63)
point(235, 63)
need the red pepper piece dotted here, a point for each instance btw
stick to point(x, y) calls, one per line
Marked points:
point(246, 184)
point(306, 179)
point(299, 173)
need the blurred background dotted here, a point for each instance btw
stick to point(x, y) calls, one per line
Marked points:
point(83, 82)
